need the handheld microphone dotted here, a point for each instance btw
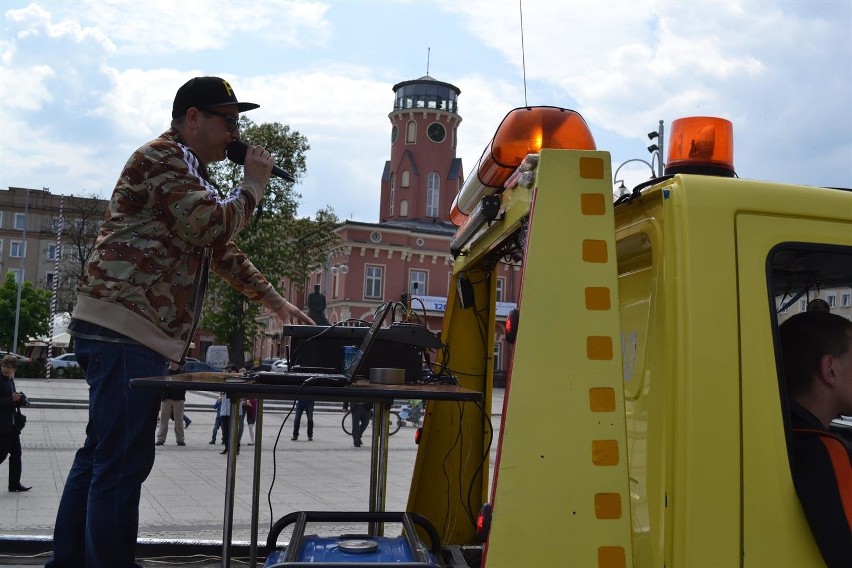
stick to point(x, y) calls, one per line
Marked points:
point(237, 154)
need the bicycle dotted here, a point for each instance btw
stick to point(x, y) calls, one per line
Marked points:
point(394, 422)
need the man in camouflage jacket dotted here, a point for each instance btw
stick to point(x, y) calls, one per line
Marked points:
point(139, 303)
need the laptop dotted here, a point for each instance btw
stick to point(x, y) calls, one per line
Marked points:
point(330, 379)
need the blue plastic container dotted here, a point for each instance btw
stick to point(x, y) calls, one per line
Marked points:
point(361, 550)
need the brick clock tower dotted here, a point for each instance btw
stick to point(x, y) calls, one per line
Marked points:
point(423, 174)
point(406, 254)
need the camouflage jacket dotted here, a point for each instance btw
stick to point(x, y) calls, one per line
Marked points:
point(165, 227)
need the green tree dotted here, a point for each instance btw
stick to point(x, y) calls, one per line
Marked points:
point(279, 244)
point(34, 320)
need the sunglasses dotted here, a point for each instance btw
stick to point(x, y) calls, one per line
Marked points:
point(233, 122)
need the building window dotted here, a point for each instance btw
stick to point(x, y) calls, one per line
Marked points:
point(417, 283)
point(405, 179)
point(54, 224)
point(845, 299)
point(497, 355)
point(411, 132)
point(803, 305)
point(16, 272)
point(831, 299)
point(501, 285)
point(392, 193)
point(48, 281)
point(17, 249)
point(54, 252)
point(335, 283)
point(373, 282)
point(403, 208)
point(20, 221)
point(433, 191)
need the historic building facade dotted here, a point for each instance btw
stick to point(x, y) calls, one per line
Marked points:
point(406, 254)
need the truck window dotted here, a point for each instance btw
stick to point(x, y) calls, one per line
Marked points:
point(811, 340)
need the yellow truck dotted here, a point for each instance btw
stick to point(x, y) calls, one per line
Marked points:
point(644, 423)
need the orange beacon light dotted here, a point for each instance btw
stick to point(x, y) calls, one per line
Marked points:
point(701, 145)
point(523, 131)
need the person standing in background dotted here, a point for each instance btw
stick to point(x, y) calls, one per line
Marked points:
point(217, 422)
point(306, 406)
point(11, 423)
point(225, 414)
point(251, 417)
point(362, 412)
point(172, 406)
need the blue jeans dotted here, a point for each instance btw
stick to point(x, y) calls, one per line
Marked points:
point(98, 518)
point(306, 406)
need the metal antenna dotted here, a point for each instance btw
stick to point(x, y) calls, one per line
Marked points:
point(523, 56)
point(428, 53)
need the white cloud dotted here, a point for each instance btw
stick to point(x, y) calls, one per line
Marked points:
point(97, 78)
point(53, 158)
point(24, 89)
point(627, 64)
point(139, 102)
point(166, 27)
point(35, 20)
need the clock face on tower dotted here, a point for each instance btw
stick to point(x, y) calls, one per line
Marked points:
point(436, 132)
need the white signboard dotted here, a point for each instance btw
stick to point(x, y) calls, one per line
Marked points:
point(439, 304)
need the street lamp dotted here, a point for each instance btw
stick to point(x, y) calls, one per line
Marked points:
point(21, 277)
point(622, 189)
point(339, 268)
point(656, 150)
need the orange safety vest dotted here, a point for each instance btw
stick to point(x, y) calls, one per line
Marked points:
point(839, 456)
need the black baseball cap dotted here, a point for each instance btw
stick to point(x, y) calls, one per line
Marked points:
point(206, 92)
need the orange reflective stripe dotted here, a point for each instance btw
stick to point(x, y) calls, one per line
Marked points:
point(840, 461)
point(839, 457)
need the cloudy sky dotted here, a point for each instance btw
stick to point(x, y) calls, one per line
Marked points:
point(84, 83)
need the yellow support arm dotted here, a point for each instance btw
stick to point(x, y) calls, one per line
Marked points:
point(560, 495)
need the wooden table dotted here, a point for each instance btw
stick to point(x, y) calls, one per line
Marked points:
point(238, 387)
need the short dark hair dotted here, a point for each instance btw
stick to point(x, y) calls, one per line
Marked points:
point(805, 338)
point(9, 361)
point(818, 305)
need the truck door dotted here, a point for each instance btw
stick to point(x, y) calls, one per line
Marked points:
point(775, 532)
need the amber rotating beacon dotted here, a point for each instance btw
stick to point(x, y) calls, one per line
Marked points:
point(523, 131)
